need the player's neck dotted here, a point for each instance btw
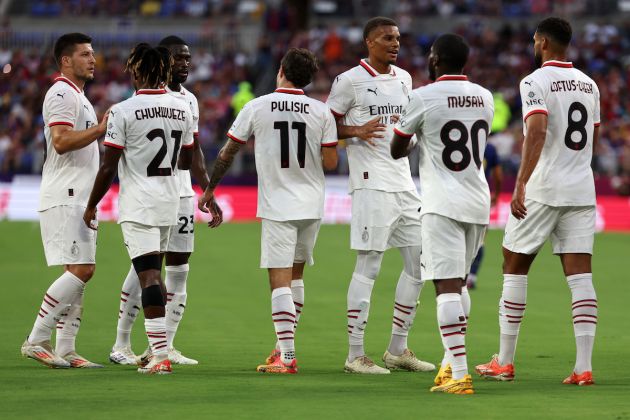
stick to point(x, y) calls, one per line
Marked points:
point(285, 84)
point(175, 87)
point(555, 57)
point(447, 72)
point(381, 67)
point(80, 83)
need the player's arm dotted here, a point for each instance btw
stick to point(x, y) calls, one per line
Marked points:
point(65, 139)
point(329, 158)
point(103, 181)
point(401, 145)
point(497, 178)
point(223, 163)
point(186, 157)
point(536, 130)
point(369, 131)
point(198, 168)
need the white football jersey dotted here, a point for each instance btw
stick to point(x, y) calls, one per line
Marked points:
point(360, 95)
point(452, 119)
point(150, 127)
point(290, 129)
point(570, 99)
point(67, 179)
point(184, 95)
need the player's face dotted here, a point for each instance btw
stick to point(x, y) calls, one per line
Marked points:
point(538, 44)
point(82, 62)
point(384, 43)
point(433, 59)
point(181, 62)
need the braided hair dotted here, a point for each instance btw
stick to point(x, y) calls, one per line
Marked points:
point(150, 66)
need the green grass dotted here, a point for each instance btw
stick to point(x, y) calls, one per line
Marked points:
point(227, 326)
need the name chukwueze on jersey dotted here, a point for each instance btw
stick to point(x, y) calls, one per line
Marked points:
point(160, 112)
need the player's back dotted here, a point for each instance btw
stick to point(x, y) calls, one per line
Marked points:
point(67, 178)
point(153, 126)
point(454, 123)
point(290, 129)
point(570, 99)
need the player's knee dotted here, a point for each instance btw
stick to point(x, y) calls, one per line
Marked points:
point(152, 296)
point(369, 264)
point(177, 258)
point(83, 271)
point(147, 262)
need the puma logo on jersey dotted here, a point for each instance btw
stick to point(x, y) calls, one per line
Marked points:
point(373, 91)
point(61, 95)
point(86, 107)
point(528, 83)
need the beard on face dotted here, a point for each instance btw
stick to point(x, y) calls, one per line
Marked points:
point(538, 59)
point(432, 72)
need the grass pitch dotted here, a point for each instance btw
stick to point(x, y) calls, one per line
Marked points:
point(227, 326)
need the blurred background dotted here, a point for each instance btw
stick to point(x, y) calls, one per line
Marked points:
point(237, 44)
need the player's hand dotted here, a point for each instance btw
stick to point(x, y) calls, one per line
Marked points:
point(494, 199)
point(518, 202)
point(103, 124)
point(371, 130)
point(395, 118)
point(89, 218)
point(208, 204)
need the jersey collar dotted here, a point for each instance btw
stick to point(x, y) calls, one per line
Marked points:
point(448, 77)
point(64, 79)
point(180, 91)
point(363, 63)
point(290, 91)
point(150, 91)
point(556, 63)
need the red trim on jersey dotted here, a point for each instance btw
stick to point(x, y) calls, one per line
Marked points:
point(336, 114)
point(404, 135)
point(196, 135)
point(150, 91)
point(61, 123)
point(331, 144)
point(236, 139)
point(534, 111)
point(448, 77)
point(68, 81)
point(372, 70)
point(290, 91)
point(597, 124)
point(555, 63)
point(115, 146)
point(188, 146)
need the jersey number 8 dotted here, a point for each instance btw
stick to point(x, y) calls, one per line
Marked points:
point(459, 145)
point(579, 126)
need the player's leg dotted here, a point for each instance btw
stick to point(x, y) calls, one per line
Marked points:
point(67, 241)
point(398, 355)
point(180, 246)
point(471, 279)
point(129, 308)
point(522, 241)
point(278, 244)
point(573, 241)
point(370, 227)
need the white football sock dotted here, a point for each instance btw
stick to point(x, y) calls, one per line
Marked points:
point(584, 313)
point(57, 299)
point(68, 327)
point(405, 306)
point(452, 323)
point(465, 296)
point(156, 333)
point(130, 307)
point(358, 301)
point(511, 311)
point(176, 276)
point(297, 290)
point(283, 316)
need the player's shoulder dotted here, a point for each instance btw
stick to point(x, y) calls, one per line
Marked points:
point(534, 78)
point(483, 91)
point(63, 90)
point(400, 72)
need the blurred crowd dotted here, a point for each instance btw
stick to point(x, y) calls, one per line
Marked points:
point(499, 59)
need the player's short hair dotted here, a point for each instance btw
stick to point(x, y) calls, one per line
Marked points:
point(452, 51)
point(558, 29)
point(65, 45)
point(299, 66)
point(171, 40)
point(375, 22)
point(150, 66)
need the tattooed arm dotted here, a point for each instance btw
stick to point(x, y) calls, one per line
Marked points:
point(207, 204)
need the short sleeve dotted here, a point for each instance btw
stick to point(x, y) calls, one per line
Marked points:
point(115, 134)
point(62, 107)
point(194, 105)
point(533, 101)
point(243, 126)
point(596, 112)
point(412, 117)
point(189, 139)
point(342, 96)
point(329, 135)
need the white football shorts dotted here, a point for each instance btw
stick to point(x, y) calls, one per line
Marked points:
point(383, 220)
point(571, 229)
point(65, 237)
point(182, 236)
point(286, 242)
point(448, 247)
point(143, 239)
